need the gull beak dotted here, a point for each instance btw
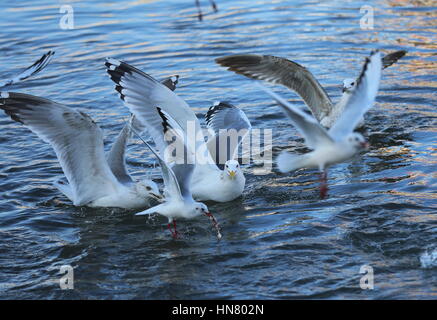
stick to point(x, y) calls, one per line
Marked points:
point(343, 89)
point(365, 145)
point(232, 174)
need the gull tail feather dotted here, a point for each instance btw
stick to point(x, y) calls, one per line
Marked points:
point(289, 162)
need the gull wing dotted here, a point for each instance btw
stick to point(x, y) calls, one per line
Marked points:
point(361, 99)
point(230, 126)
point(311, 130)
point(181, 155)
point(170, 180)
point(117, 154)
point(75, 137)
point(31, 70)
point(392, 57)
point(142, 94)
point(177, 177)
point(283, 71)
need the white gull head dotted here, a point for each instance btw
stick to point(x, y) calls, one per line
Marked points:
point(348, 85)
point(232, 168)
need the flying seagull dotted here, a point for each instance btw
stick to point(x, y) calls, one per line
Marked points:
point(141, 93)
point(78, 143)
point(179, 202)
point(340, 142)
point(29, 71)
point(200, 15)
point(299, 79)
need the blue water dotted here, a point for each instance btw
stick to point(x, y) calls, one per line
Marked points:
point(280, 241)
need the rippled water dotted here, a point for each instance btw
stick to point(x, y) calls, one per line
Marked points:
point(280, 240)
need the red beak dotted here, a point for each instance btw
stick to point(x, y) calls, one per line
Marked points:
point(365, 145)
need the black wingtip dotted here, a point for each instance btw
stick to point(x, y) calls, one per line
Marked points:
point(171, 82)
point(165, 124)
point(9, 106)
point(215, 108)
point(392, 58)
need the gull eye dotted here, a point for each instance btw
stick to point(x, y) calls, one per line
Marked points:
point(226, 165)
point(148, 188)
point(352, 83)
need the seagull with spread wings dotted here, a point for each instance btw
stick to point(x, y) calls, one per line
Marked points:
point(40, 64)
point(340, 142)
point(299, 79)
point(77, 141)
point(142, 94)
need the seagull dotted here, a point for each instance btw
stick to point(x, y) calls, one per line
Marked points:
point(141, 93)
point(339, 143)
point(299, 79)
point(29, 71)
point(213, 5)
point(78, 143)
point(179, 202)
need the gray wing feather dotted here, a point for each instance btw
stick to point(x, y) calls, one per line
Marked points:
point(170, 181)
point(314, 134)
point(177, 177)
point(288, 73)
point(182, 159)
point(393, 57)
point(76, 139)
point(142, 94)
point(117, 154)
point(31, 70)
point(230, 126)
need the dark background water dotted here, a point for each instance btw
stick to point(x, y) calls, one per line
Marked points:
point(280, 240)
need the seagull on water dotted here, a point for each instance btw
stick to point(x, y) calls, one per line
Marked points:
point(78, 143)
point(340, 142)
point(141, 93)
point(29, 71)
point(179, 202)
point(299, 79)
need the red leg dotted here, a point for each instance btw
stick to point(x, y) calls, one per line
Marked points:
point(171, 230)
point(323, 184)
point(174, 233)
